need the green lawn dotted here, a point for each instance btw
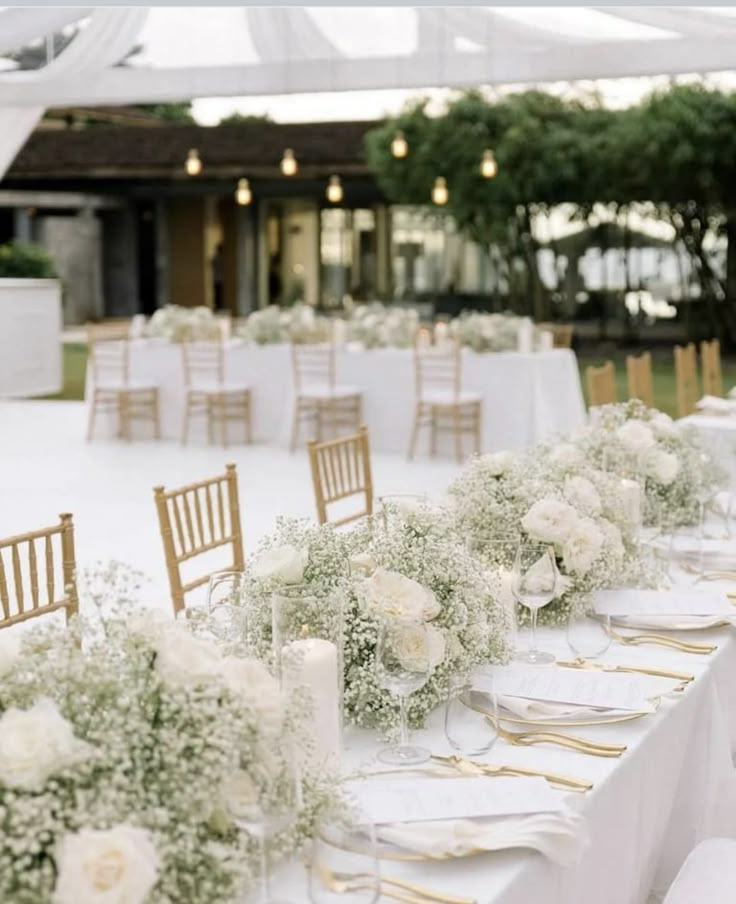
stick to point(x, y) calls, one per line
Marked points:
point(665, 397)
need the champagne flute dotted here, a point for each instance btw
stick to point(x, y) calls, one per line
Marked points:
point(344, 863)
point(403, 666)
point(534, 583)
point(262, 802)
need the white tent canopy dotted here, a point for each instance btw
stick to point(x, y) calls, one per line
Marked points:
point(238, 51)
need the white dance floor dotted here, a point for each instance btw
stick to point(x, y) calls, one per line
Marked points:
point(46, 468)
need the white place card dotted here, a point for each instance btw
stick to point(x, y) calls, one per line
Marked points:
point(678, 601)
point(421, 800)
point(600, 690)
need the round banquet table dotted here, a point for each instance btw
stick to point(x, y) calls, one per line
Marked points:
point(526, 397)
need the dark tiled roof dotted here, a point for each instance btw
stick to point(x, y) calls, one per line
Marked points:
point(104, 151)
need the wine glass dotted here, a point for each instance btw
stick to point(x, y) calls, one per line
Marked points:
point(344, 864)
point(468, 730)
point(588, 633)
point(262, 802)
point(403, 666)
point(534, 583)
point(224, 605)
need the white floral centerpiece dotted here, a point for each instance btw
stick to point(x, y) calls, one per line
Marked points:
point(671, 461)
point(299, 323)
point(412, 567)
point(122, 757)
point(489, 332)
point(180, 324)
point(377, 326)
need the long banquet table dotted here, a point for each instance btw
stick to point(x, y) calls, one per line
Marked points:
point(526, 397)
point(673, 787)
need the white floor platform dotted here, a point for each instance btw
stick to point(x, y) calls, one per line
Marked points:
point(46, 468)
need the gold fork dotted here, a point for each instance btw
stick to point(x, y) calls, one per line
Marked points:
point(528, 738)
point(472, 767)
point(660, 640)
point(344, 882)
point(581, 663)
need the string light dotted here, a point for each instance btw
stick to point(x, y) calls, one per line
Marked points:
point(243, 194)
point(193, 164)
point(440, 193)
point(289, 165)
point(488, 165)
point(399, 145)
point(334, 190)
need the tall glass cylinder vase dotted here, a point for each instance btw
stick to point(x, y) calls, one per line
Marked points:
point(307, 625)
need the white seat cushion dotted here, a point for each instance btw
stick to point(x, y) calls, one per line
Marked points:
point(448, 397)
point(318, 391)
point(213, 388)
point(110, 386)
point(708, 876)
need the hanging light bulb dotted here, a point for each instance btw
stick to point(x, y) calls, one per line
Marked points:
point(193, 164)
point(334, 190)
point(243, 194)
point(289, 165)
point(488, 165)
point(399, 145)
point(440, 193)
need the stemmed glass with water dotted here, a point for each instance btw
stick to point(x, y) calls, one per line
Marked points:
point(535, 583)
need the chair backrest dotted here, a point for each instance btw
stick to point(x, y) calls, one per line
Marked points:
point(639, 377)
point(313, 365)
point(341, 468)
point(204, 362)
point(601, 384)
point(38, 573)
point(686, 376)
point(561, 333)
point(437, 369)
point(195, 520)
point(109, 352)
point(710, 357)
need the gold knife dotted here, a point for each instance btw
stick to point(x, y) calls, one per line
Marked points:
point(472, 766)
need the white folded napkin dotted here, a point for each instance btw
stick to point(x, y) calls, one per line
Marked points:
point(558, 836)
point(541, 709)
point(714, 405)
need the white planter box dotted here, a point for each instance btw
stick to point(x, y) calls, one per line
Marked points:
point(30, 337)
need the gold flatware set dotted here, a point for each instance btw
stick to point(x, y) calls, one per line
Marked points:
point(662, 640)
point(394, 889)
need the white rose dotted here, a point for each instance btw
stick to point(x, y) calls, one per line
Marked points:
point(550, 520)
point(565, 456)
point(9, 653)
point(390, 593)
point(613, 540)
point(498, 463)
point(663, 425)
point(183, 659)
point(662, 466)
point(283, 563)
point(582, 546)
point(636, 436)
point(420, 646)
point(115, 866)
point(581, 493)
point(363, 564)
point(251, 682)
point(35, 744)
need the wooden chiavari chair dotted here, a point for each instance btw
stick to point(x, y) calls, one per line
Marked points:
point(209, 393)
point(341, 468)
point(601, 385)
point(710, 359)
point(562, 333)
point(112, 388)
point(639, 378)
point(686, 376)
point(194, 520)
point(34, 578)
point(441, 404)
point(318, 398)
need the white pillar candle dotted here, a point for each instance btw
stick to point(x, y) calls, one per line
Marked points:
point(313, 664)
point(525, 335)
point(546, 341)
point(441, 332)
point(631, 501)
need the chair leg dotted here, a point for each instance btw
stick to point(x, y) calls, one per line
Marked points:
point(92, 417)
point(156, 416)
point(458, 430)
point(477, 424)
point(185, 430)
point(223, 411)
point(295, 424)
point(434, 414)
point(248, 421)
point(414, 433)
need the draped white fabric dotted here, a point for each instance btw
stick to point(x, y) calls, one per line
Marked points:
point(207, 52)
point(108, 36)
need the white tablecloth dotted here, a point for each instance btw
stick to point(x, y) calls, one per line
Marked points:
point(526, 397)
point(673, 787)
